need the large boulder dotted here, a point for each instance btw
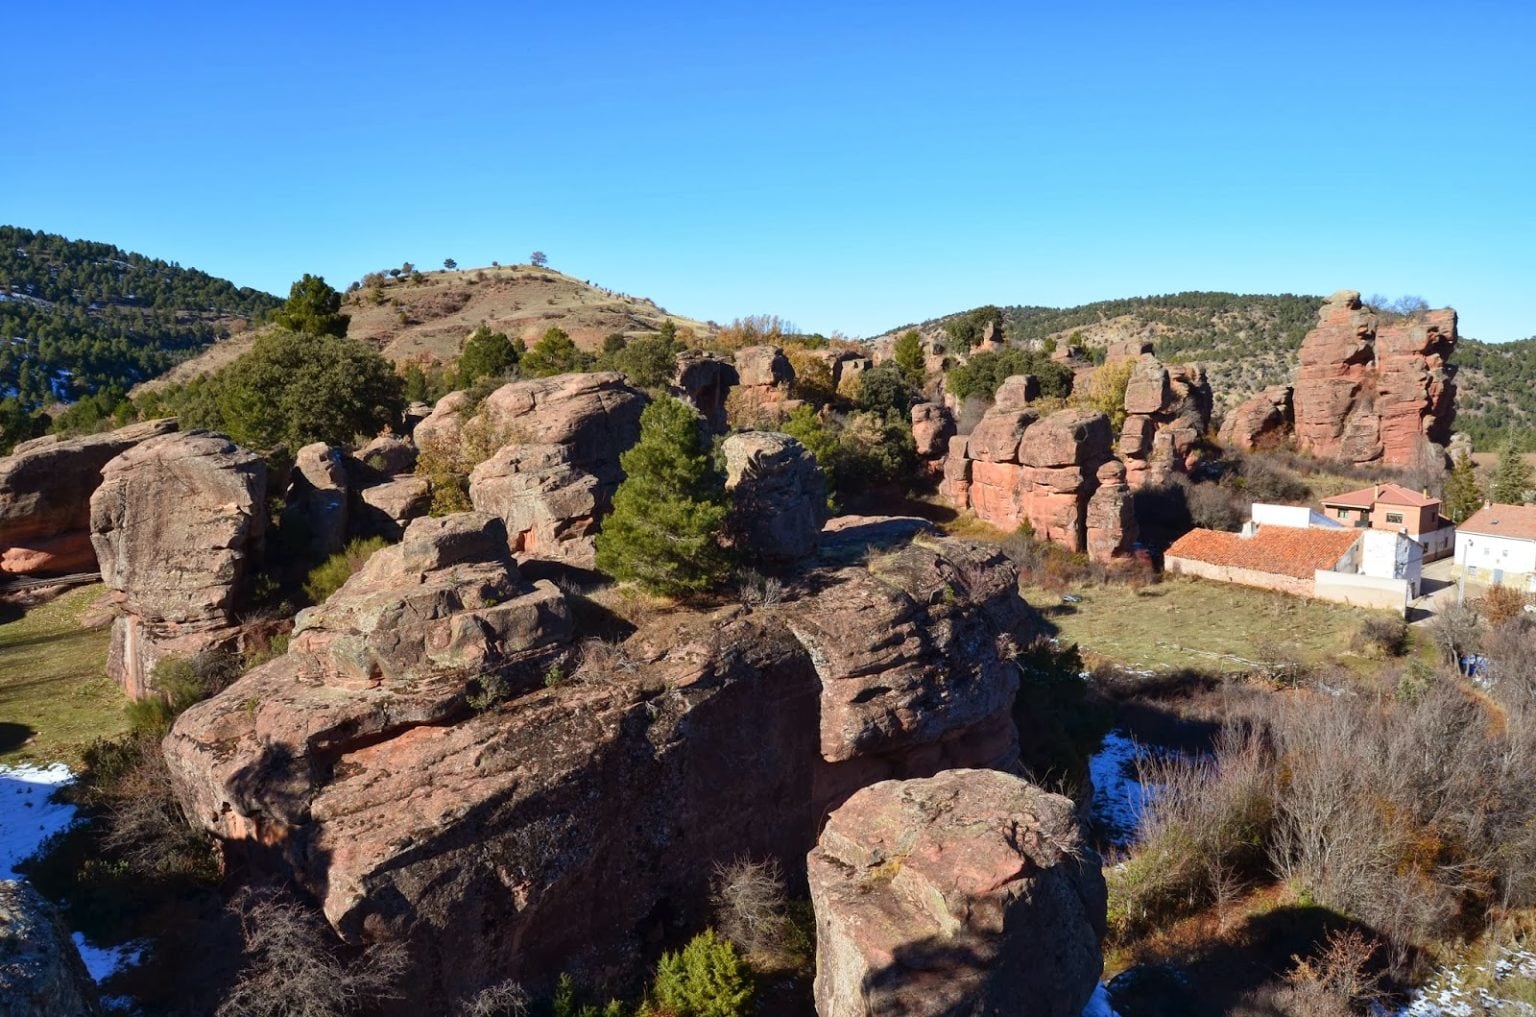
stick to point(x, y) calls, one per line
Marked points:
point(45, 498)
point(932, 428)
point(317, 500)
point(388, 454)
point(385, 508)
point(595, 415)
point(176, 523)
point(705, 381)
point(778, 494)
point(766, 379)
point(578, 819)
point(970, 892)
point(41, 973)
point(1168, 411)
point(1369, 390)
point(1262, 419)
point(550, 506)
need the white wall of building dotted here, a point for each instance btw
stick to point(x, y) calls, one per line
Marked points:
point(1296, 517)
point(1487, 554)
point(1387, 555)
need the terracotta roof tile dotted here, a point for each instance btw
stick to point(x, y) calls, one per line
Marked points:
point(1282, 550)
point(1386, 494)
point(1517, 521)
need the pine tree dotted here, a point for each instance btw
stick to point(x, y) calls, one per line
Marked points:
point(707, 978)
point(1513, 477)
point(486, 354)
point(313, 307)
point(554, 354)
point(1463, 495)
point(908, 354)
point(663, 532)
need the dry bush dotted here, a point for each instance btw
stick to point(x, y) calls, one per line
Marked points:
point(1457, 631)
point(1339, 983)
point(757, 590)
point(602, 660)
point(752, 911)
point(1502, 604)
point(1202, 834)
point(1381, 637)
point(143, 825)
point(292, 968)
point(504, 999)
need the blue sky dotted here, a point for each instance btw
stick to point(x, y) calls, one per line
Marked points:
point(848, 166)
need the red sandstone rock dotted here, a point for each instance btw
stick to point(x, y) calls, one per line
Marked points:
point(176, 565)
point(550, 506)
point(778, 494)
point(705, 381)
point(1259, 420)
point(1168, 413)
point(932, 428)
point(970, 892)
point(45, 498)
point(996, 439)
point(1368, 391)
point(1017, 392)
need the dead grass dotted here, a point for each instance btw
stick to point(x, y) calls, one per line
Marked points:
point(1184, 622)
point(55, 696)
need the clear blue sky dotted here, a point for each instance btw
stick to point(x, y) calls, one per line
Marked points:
point(846, 166)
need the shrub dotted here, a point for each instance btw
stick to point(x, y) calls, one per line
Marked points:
point(1381, 637)
point(670, 511)
point(649, 361)
point(1502, 604)
point(1106, 391)
point(486, 354)
point(752, 911)
point(329, 576)
point(553, 354)
point(291, 966)
point(706, 979)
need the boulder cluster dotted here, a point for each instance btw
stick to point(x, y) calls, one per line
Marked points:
point(1167, 412)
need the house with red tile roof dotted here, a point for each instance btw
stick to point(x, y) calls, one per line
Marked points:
point(1497, 545)
point(1360, 566)
point(1397, 509)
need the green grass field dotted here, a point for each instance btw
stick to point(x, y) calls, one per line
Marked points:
point(1183, 622)
point(55, 696)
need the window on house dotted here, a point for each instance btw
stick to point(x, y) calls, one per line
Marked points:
point(1342, 513)
point(1394, 517)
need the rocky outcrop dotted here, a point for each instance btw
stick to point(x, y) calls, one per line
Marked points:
point(45, 498)
point(559, 442)
point(550, 506)
point(41, 974)
point(932, 428)
point(175, 524)
point(1259, 421)
point(574, 825)
point(1168, 411)
point(389, 455)
point(705, 381)
point(444, 426)
point(1369, 390)
point(318, 494)
point(766, 381)
point(1016, 468)
point(971, 892)
point(385, 508)
point(778, 495)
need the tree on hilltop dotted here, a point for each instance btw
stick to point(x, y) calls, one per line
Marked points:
point(668, 514)
point(450, 264)
point(312, 307)
point(538, 259)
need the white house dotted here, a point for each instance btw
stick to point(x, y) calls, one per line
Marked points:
point(1497, 545)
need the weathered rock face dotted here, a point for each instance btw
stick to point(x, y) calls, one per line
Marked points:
point(45, 498)
point(41, 974)
point(549, 505)
point(389, 455)
point(317, 499)
point(932, 428)
point(444, 426)
point(1168, 411)
point(1370, 391)
point(705, 381)
point(970, 892)
point(175, 524)
point(384, 509)
point(1017, 468)
point(779, 495)
point(557, 467)
point(1017, 391)
point(767, 378)
point(1259, 420)
point(574, 825)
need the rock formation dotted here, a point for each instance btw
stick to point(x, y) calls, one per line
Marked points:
point(41, 974)
point(971, 892)
point(45, 498)
point(766, 380)
point(932, 428)
point(557, 465)
point(1375, 391)
point(317, 500)
point(175, 524)
point(389, 455)
point(1016, 468)
point(1260, 420)
point(779, 495)
point(1168, 411)
point(576, 822)
point(705, 381)
point(384, 508)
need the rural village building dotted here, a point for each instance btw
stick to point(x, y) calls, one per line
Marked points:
point(1497, 545)
point(1398, 509)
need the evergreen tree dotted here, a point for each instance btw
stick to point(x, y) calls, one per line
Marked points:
point(663, 532)
point(1513, 477)
point(537, 259)
point(554, 354)
point(1463, 495)
point(486, 354)
point(708, 978)
point(908, 354)
point(312, 307)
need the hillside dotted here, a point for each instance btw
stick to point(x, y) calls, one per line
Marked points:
point(1249, 341)
point(422, 316)
point(78, 316)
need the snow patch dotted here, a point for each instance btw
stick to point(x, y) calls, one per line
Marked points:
point(1118, 797)
point(27, 816)
point(102, 962)
point(1099, 1005)
point(1447, 996)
